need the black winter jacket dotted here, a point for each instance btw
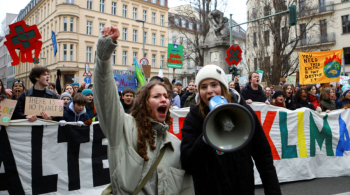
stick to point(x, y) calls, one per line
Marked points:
point(21, 101)
point(255, 95)
point(235, 169)
point(184, 98)
point(289, 103)
point(307, 104)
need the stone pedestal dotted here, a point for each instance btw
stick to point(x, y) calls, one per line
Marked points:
point(215, 53)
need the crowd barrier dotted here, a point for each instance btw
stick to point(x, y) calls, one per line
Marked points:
point(45, 158)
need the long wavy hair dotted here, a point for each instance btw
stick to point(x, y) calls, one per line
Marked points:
point(202, 106)
point(141, 111)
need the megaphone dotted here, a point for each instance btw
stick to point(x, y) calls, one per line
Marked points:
point(228, 127)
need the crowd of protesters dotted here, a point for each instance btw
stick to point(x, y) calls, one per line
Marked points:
point(136, 125)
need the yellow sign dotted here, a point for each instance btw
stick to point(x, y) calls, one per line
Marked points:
point(320, 67)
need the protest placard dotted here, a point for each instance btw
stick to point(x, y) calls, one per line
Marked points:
point(320, 67)
point(7, 107)
point(35, 105)
point(344, 80)
point(291, 80)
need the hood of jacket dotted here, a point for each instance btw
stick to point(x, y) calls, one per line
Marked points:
point(71, 110)
point(249, 86)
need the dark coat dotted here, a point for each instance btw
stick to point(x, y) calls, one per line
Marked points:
point(190, 100)
point(211, 176)
point(327, 105)
point(307, 104)
point(184, 98)
point(21, 101)
point(71, 116)
point(289, 103)
point(237, 87)
point(255, 95)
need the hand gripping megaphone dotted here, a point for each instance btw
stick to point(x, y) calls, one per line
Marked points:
point(228, 127)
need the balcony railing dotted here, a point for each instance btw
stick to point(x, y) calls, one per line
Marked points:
point(318, 9)
point(322, 39)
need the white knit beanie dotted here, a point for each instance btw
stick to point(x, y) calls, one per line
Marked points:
point(212, 72)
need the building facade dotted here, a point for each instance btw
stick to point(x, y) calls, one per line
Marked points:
point(77, 25)
point(7, 71)
point(321, 25)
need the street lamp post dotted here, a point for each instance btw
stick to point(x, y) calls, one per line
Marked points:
point(143, 35)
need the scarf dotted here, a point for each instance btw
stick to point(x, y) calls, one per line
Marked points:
point(278, 104)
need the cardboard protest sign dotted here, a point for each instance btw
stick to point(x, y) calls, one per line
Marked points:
point(35, 105)
point(7, 107)
point(344, 80)
point(320, 67)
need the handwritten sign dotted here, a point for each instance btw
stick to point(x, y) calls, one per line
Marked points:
point(291, 80)
point(344, 80)
point(243, 80)
point(125, 81)
point(123, 72)
point(7, 107)
point(320, 67)
point(35, 105)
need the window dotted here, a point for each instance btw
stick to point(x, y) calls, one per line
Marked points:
point(154, 1)
point(188, 63)
point(323, 29)
point(346, 55)
point(181, 40)
point(153, 18)
point(101, 26)
point(174, 39)
point(89, 4)
point(114, 8)
point(189, 45)
point(125, 57)
point(153, 60)
point(134, 55)
point(183, 23)
point(285, 35)
point(303, 34)
point(254, 40)
point(302, 5)
point(134, 35)
point(71, 24)
point(254, 13)
point(255, 64)
point(162, 61)
point(267, 37)
point(113, 57)
point(190, 26)
point(145, 37)
point(71, 52)
point(161, 40)
point(153, 38)
point(198, 27)
point(162, 2)
point(102, 5)
point(89, 28)
point(124, 33)
point(346, 24)
point(70, 1)
point(266, 10)
point(64, 23)
point(145, 55)
point(64, 52)
point(144, 15)
point(88, 54)
point(177, 22)
point(134, 13)
point(125, 9)
point(162, 20)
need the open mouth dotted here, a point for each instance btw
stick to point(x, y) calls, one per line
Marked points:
point(162, 110)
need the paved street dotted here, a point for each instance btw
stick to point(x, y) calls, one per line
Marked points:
point(324, 186)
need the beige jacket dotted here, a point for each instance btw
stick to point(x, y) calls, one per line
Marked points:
point(127, 168)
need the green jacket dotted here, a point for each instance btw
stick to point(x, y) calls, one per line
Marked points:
point(190, 100)
point(328, 105)
point(127, 168)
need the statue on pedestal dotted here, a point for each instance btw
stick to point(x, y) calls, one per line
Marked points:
point(218, 30)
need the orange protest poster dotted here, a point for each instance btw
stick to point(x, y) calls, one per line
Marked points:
point(7, 107)
point(35, 105)
point(320, 67)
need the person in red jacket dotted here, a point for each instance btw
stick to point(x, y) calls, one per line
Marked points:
point(311, 96)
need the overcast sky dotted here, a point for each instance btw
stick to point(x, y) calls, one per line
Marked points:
point(235, 7)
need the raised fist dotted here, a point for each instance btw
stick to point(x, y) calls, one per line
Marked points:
point(112, 31)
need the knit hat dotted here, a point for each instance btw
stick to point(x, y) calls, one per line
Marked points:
point(87, 92)
point(66, 94)
point(75, 84)
point(213, 72)
point(277, 93)
point(176, 82)
point(345, 89)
